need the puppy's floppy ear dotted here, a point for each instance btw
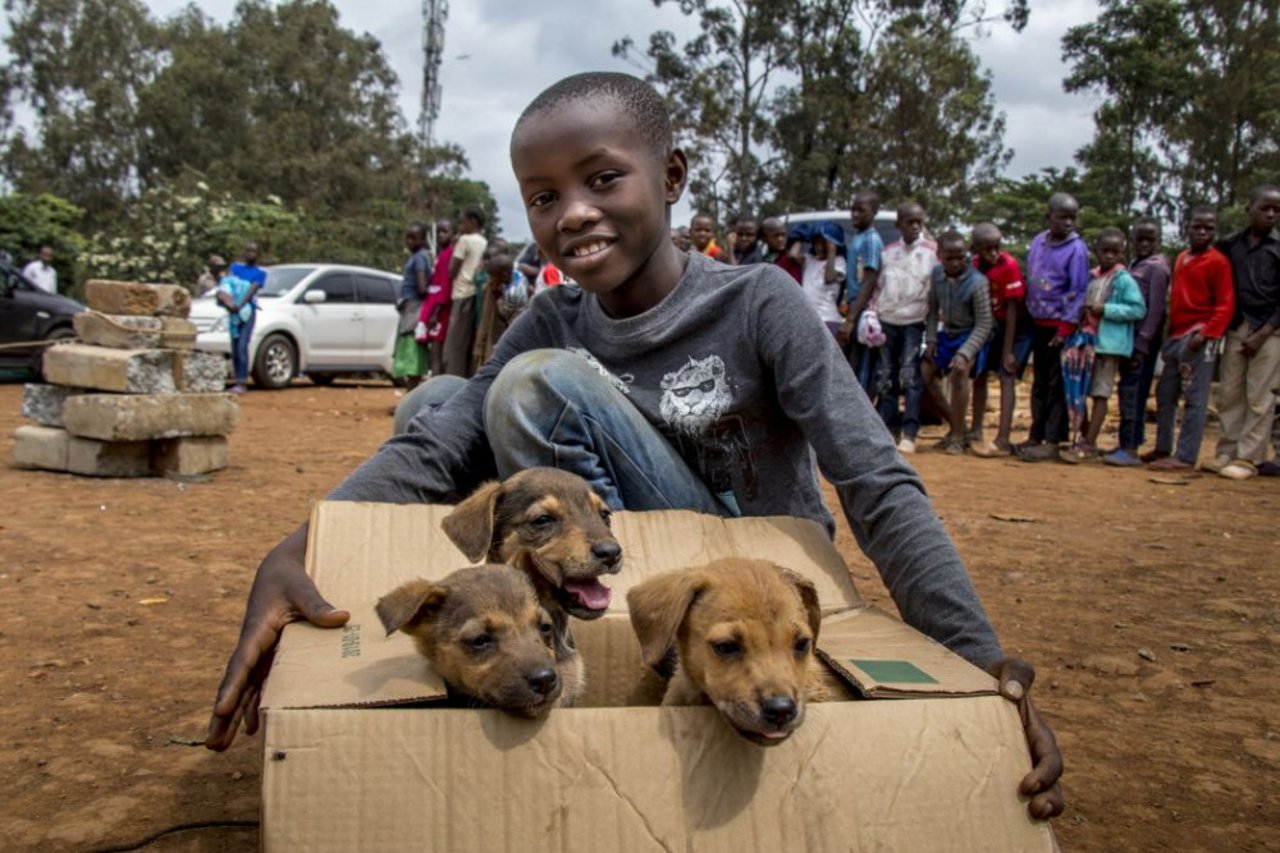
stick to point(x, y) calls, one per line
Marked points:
point(658, 608)
point(808, 596)
point(470, 525)
point(407, 605)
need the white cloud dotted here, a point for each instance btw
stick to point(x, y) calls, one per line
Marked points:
point(513, 49)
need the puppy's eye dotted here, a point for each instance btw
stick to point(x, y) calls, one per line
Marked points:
point(802, 646)
point(727, 648)
point(480, 643)
point(606, 515)
point(546, 629)
point(543, 521)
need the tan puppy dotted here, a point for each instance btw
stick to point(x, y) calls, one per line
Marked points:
point(551, 525)
point(745, 631)
point(485, 634)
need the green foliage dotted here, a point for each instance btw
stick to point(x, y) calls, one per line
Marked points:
point(29, 222)
point(1019, 207)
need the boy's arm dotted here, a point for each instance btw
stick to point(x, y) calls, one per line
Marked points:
point(982, 321)
point(931, 316)
point(1153, 322)
point(422, 272)
point(890, 515)
point(455, 260)
point(1224, 300)
point(1078, 282)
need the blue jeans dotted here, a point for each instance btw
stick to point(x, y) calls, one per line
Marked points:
point(240, 349)
point(551, 408)
point(1134, 391)
point(898, 372)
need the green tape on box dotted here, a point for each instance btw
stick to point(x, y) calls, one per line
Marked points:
point(894, 671)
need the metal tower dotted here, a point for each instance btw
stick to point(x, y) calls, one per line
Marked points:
point(434, 13)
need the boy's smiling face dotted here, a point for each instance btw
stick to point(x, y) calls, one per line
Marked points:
point(597, 195)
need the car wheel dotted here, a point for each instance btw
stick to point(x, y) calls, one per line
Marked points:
point(322, 379)
point(276, 362)
point(62, 333)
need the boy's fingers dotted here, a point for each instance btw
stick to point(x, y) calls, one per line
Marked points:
point(311, 606)
point(1016, 677)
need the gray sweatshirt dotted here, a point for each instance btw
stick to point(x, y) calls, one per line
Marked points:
point(762, 380)
point(961, 304)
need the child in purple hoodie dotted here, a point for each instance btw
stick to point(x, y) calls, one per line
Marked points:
point(1057, 278)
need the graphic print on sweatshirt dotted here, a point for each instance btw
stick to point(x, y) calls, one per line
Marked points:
point(694, 403)
point(622, 383)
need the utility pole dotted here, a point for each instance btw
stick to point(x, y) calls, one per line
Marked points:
point(434, 14)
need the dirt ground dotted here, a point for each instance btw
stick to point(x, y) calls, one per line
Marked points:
point(1151, 610)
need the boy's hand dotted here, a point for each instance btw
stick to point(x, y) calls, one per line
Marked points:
point(1041, 784)
point(845, 333)
point(1058, 340)
point(931, 351)
point(1010, 364)
point(1254, 342)
point(1196, 343)
point(960, 363)
point(282, 593)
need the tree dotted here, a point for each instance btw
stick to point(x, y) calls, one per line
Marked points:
point(29, 222)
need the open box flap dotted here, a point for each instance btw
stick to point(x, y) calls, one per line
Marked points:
point(358, 552)
point(883, 658)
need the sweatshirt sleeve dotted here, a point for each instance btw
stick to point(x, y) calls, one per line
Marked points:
point(1078, 275)
point(931, 316)
point(1125, 304)
point(883, 499)
point(1157, 294)
point(983, 321)
point(1224, 298)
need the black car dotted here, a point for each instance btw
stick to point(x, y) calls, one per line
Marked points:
point(29, 314)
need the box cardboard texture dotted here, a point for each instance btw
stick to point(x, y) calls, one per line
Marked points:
point(358, 757)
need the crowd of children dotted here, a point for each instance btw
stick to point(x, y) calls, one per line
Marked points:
point(917, 311)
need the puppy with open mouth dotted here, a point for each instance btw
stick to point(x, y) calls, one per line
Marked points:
point(551, 525)
point(739, 634)
point(485, 635)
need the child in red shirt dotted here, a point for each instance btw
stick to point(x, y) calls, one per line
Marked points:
point(1010, 340)
point(1201, 302)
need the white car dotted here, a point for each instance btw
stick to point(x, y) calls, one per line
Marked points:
point(886, 222)
point(315, 319)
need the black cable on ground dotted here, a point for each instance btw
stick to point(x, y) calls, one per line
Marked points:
point(174, 830)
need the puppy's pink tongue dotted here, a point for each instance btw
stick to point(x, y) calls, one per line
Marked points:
point(591, 594)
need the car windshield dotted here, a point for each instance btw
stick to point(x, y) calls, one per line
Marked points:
point(280, 280)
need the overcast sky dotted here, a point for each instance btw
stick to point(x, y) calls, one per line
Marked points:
point(500, 53)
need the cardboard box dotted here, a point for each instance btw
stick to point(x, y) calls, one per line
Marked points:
point(358, 755)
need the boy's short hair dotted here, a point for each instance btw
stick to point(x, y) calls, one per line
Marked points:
point(1260, 190)
point(637, 98)
point(907, 207)
point(418, 227)
point(870, 196)
point(1204, 210)
point(1146, 222)
point(1110, 233)
point(985, 232)
point(475, 214)
point(1059, 200)
point(702, 214)
point(951, 237)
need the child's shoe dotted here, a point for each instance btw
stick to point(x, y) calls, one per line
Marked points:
point(1045, 451)
point(1122, 458)
point(1170, 463)
point(1216, 464)
point(951, 446)
point(907, 446)
point(237, 389)
point(1079, 453)
point(1269, 469)
point(1152, 456)
point(1238, 469)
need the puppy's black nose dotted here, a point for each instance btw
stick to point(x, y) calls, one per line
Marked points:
point(778, 710)
point(608, 553)
point(544, 680)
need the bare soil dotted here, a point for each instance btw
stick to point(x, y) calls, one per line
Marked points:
point(1151, 610)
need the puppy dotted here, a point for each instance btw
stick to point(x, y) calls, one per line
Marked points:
point(745, 632)
point(485, 634)
point(551, 525)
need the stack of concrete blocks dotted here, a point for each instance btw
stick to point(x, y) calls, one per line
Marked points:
point(132, 397)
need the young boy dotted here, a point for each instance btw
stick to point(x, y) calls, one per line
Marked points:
point(438, 306)
point(1113, 306)
point(960, 301)
point(773, 234)
point(1010, 340)
point(747, 248)
point(1057, 276)
point(464, 265)
point(237, 293)
point(1251, 356)
point(666, 380)
point(902, 301)
point(1151, 271)
point(702, 230)
point(861, 278)
point(506, 297)
point(411, 359)
point(1201, 302)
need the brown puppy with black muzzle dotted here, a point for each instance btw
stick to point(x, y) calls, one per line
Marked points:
point(745, 631)
point(550, 524)
point(485, 635)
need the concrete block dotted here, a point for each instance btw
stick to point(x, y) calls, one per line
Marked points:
point(104, 369)
point(147, 300)
point(141, 417)
point(109, 458)
point(41, 447)
point(188, 456)
point(200, 372)
point(57, 450)
point(118, 331)
point(43, 403)
point(177, 333)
